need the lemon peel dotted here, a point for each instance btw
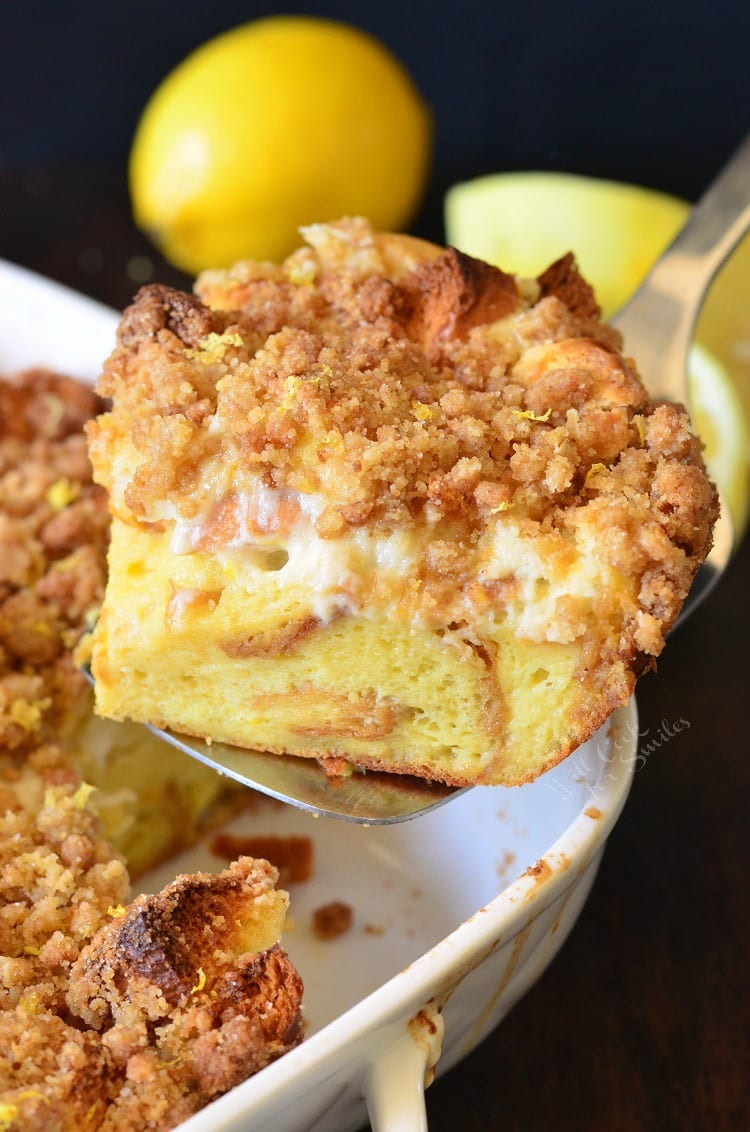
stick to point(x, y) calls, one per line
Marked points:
point(61, 493)
point(421, 411)
point(598, 467)
point(528, 415)
point(8, 1114)
point(200, 983)
point(214, 346)
point(272, 125)
point(26, 714)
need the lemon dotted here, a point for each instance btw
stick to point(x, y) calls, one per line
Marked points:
point(719, 419)
point(524, 221)
point(281, 122)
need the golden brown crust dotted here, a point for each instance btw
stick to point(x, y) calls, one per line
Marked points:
point(54, 529)
point(563, 280)
point(158, 308)
point(450, 295)
point(182, 947)
point(84, 979)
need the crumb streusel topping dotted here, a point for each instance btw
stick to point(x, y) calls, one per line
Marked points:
point(431, 397)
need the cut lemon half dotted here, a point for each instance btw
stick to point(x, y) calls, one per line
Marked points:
point(719, 420)
point(524, 221)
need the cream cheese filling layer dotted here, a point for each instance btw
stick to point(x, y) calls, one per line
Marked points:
point(555, 581)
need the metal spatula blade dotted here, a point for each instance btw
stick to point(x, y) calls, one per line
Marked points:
point(363, 797)
point(658, 323)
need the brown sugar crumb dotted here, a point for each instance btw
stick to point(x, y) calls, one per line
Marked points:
point(292, 856)
point(84, 975)
point(54, 530)
point(332, 920)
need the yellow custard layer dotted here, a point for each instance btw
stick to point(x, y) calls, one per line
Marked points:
point(240, 655)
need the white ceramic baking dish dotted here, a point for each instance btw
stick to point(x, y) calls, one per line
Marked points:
point(456, 913)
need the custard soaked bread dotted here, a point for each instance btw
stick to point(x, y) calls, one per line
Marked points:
point(385, 505)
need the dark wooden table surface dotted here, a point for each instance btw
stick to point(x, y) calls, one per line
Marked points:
point(642, 1021)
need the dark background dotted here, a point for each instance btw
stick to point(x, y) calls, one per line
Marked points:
point(642, 90)
point(642, 1021)
point(654, 92)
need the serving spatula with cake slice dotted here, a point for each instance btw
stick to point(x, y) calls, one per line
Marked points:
point(397, 520)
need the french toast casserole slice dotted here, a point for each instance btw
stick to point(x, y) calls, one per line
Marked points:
point(389, 507)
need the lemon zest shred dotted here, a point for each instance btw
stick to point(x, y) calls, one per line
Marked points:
point(81, 797)
point(33, 1095)
point(31, 949)
point(26, 714)
point(592, 472)
point(62, 492)
point(640, 428)
point(291, 385)
point(421, 411)
point(116, 911)
point(201, 982)
point(29, 1003)
point(213, 346)
point(8, 1114)
point(530, 415)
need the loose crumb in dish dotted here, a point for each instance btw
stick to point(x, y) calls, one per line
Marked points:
point(332, 920)
point(292, 856)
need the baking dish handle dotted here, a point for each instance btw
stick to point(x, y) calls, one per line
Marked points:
point(395, 1085)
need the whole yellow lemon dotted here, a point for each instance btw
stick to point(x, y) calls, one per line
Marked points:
point(277, 123)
